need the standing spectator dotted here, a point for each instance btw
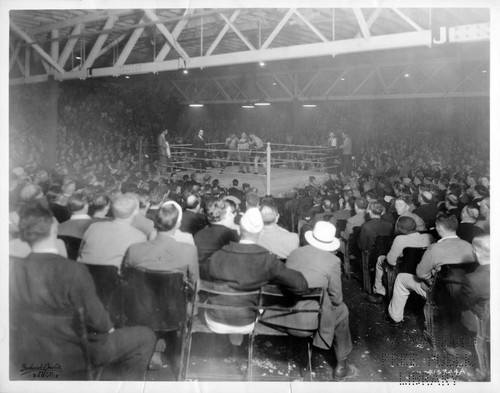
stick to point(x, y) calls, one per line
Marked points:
point(163, 151)
point(346, 154)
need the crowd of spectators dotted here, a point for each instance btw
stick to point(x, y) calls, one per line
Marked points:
point(126, 215)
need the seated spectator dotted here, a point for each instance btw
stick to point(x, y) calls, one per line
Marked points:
point(374, 227)
point(407, 236)
point(475, 291)
point(192, 219)
point(247, 266)
point(321, 268)
point(68, 189)
point(451, 204)
point(99, 208)
point(105, 243)
point(235, 191)
point(327, 212)
point(359, 218)
point(403, 208)
point(54, 198)
point(274, 238)
point(79, 221)
point(140, 221)
point(479, 192)
point(428, 208)
point(28, 194)
point(467, 229)
point(216, 235)
point(484, 221)
point(71, 288)
point(449, 250)
point(164, 252)
point(345, 213)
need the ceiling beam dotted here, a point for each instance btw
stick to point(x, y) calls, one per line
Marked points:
point(278, 28)
point(222, 33)
point(238, 32)
point(96, 48)
point(362, 22)
point(407, 19)
point(36, 47)
point(170, 38)
point(70, 45)
point(179, 27)
point(89, 18)
point(125, 53)
point(311, 26)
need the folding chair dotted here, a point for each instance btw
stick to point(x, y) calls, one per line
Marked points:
point(211, 289)
point(72, 245)
point(407, 263)
point(352, 251)
point(482, 343)
point(443, 283)
point(381, 246)
point(158, 299)
point(275, 305)
point(106, 280)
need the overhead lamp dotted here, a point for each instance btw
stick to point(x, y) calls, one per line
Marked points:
point(127, 77)
point(484, 71)
point(248, 106)
point(309, 105)
point(196, 105)
point(78, 57)
point(262, 104)
point(274, 83)
point(407, 75)
point(185, 71)
point(342, 79)
point(261, 63)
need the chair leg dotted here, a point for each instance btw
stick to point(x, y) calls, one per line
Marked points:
point(250, 357)
point(366, 274)
point(185, 368)
point(180, 373)
point(429, 324)
point(309, 358)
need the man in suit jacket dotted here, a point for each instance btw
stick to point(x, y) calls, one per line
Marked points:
point(374, 227)
point(192, 220)
point(164, 151)
point(52, 286)
point(449, 250)
point(247, 266)
point(79, 221)
point(274, 238)
point(199, 145)
point(164, 252)
point(476, 285)
point(321, 268)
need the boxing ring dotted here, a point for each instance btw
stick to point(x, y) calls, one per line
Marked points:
point(281, 167)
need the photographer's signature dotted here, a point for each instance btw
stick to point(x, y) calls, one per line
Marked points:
point(42, 370)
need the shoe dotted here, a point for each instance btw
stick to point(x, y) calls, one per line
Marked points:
point(344, 371)
point(375, 298)
point(390, 321)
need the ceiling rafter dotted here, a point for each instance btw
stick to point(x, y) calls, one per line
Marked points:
point(278, 28)
point(365, 31)
point(70, 45)
point(407, 19)
point(222, 33)
point(96, 48)
point(238, 32)
point(125, 53)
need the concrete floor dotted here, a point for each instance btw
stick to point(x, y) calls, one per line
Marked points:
point(382, 353)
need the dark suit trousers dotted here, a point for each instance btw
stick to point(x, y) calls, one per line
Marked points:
point(125, 353)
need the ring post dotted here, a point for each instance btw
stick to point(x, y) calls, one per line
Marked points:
point(268, 165)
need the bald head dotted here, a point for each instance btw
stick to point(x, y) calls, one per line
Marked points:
point(125, 206)
point(481, 249)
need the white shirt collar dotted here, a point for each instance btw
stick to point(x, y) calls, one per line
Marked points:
point(80, 217)
point(245, 241)
point(448, 237)
point(46, 250)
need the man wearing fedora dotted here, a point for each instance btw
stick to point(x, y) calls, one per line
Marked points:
point(321, 268)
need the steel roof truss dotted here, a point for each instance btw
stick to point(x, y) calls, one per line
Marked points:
point(342, 75)
point(112, 44)
point(222, 33)
point(310, 83)
point(362, 22)
point(468, 77)
point(220, 88)
point(14, 57)
point(36, 47)
point(238, 32)
point(267, 96)
point(396, 79)
point(407, 19)
point(125, 53)
point(371, 20)
point(165, 50)
point(70, 45)
point(311, 26)
point(278, 28)
point(166, 33)
point(277, 79)
point(96, 48)
point(430, 78)
point(370, 74)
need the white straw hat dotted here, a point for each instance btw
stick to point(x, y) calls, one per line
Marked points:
point(323, 236)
